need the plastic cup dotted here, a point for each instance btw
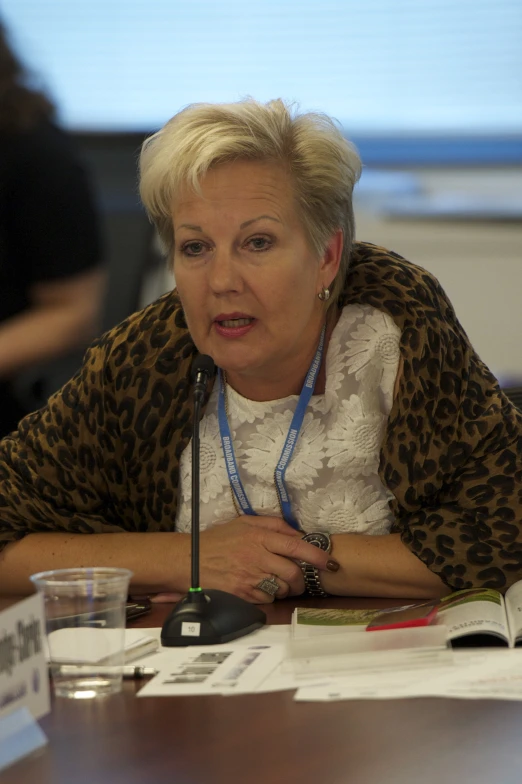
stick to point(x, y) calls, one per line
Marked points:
point(85, 622)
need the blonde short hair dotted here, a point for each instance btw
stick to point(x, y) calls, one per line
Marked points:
point(323, 165)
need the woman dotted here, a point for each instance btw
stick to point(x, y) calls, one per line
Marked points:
point(51, 281)
point(403, 461)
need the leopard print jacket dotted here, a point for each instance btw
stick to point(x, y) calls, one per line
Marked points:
point(103, 455)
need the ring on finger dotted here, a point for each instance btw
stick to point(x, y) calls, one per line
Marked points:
point(269, 585)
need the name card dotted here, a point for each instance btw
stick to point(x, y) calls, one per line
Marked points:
point(24, 679)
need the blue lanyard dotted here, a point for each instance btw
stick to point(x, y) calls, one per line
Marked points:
point(288, 447)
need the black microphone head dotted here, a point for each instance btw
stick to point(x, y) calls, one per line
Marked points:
point(203, 364)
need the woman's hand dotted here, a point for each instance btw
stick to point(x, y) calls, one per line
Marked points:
point(237, 555)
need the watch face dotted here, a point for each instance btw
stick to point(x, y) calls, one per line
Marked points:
point(320, 540)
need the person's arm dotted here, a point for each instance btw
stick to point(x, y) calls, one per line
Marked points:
point(379, 566)
point(159, 561)
point(63, 315)
point(234, 557)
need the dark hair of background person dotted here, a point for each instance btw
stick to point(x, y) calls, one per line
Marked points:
point(21, 105)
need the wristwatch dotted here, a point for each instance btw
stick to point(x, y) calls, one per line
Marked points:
point(310, 573)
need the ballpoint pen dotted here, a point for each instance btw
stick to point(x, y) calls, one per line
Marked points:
point(136, 672)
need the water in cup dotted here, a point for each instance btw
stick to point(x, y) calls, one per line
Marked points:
point(85, 620)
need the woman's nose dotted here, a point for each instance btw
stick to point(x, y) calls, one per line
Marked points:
point(223, 273)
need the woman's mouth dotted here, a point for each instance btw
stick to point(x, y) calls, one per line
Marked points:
point(239, 322)
point(234, 326)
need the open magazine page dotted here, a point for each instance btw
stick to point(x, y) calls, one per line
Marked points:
point(513, 601)
point(311, 621)
point(475, 617)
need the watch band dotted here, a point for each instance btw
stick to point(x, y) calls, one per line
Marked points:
point(312, 582)
point(311, 573)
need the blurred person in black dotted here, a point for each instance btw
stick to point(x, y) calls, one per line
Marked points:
point(51, 280)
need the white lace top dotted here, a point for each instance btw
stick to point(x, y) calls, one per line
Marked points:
point(332, 477)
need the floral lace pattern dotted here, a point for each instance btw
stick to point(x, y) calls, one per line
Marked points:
point(332, 477)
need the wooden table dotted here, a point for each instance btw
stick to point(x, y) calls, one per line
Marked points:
point(270, 739)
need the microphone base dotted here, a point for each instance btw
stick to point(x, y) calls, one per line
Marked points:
point(210, 617)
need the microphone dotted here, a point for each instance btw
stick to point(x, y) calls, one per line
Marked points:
point(206, 617)
point(202, 370)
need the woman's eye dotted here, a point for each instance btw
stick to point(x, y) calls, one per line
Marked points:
point(193, 248)
point(259, 243)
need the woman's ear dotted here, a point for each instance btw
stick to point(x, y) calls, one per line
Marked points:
point(331, 258)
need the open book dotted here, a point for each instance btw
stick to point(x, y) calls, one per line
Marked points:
point(474, 617)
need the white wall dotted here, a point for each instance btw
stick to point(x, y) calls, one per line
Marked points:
point(478, 263)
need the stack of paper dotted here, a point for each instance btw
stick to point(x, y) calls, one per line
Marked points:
point(260, 663)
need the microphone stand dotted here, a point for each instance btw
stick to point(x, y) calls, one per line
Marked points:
point(206, 617)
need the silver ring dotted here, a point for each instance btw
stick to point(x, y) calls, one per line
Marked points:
point(269, 585)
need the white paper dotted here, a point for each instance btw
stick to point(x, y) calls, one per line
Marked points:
point(513, 602)
point(24, 680)
point(497, 676)
point(191, 629)
point(272, 635)
point(469, 673)
point(473, 674)
point(214, 669)
point(138, 644)
point(91, 644)
point(474, 617)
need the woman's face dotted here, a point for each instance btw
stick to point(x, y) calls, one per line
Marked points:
point(248, 279)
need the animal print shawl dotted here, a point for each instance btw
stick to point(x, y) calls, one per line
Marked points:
point(103, 455)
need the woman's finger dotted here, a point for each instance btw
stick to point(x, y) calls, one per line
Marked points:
point(286, 570)
point(297, 550)
point(275, 524)
point(265, 597)
point(166, 598)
